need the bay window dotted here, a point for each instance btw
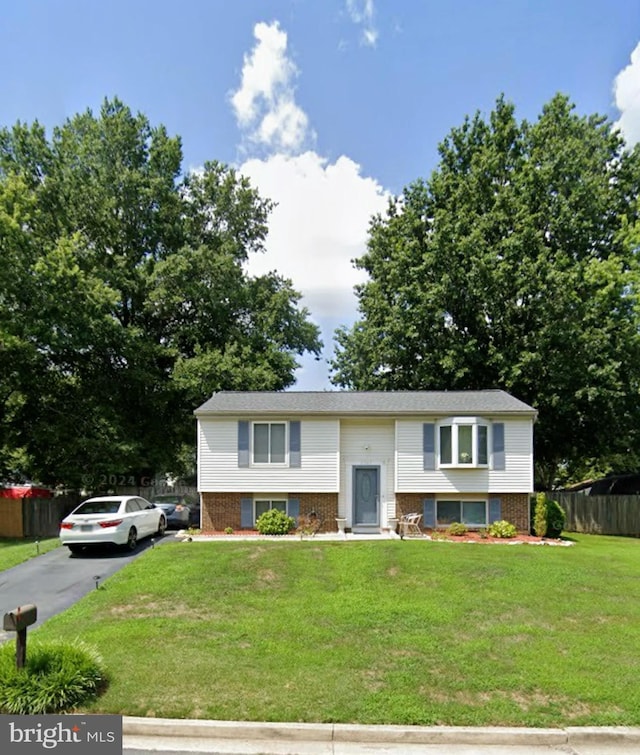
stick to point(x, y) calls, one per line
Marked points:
point(463, 442)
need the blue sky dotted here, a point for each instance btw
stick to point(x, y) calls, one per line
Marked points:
point(329, 106)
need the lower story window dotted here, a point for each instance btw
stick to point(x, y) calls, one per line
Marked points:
point(260, 506)
point(471, 513)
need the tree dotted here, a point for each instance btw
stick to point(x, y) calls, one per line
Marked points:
point(124, 299)
point(508, 268)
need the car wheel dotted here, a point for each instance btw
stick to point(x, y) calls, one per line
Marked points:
point(132, 540)
point(75, 549)
point(162, 526)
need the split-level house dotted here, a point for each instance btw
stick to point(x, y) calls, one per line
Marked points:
point(366, 457)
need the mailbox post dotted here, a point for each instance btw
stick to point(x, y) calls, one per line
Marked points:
point(17, 621)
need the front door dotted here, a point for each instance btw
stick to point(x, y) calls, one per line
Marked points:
point(366, 496)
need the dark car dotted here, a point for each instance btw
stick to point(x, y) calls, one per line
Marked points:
point(176, 509)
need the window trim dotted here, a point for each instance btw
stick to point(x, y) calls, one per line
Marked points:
point(271, 500)
point(270, 464)
point(455, 423)
point(461, 502)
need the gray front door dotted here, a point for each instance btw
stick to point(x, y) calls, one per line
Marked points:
point(366, 496)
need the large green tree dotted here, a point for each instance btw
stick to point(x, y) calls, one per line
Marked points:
point(124, 298)
point(510, 267)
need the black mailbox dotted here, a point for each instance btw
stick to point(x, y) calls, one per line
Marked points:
point(20, 618)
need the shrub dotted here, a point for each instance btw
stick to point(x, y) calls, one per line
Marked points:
point(457, 528)
point(540, 515)
point(548, 517)
point(502, 529)
point(275, 522)
point(228, 530)
point(556, 519)
point(56, 678)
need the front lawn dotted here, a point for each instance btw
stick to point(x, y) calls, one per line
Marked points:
point(411, 632)
point(14, 551)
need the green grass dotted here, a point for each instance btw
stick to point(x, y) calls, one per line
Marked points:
point(374, 632)
point(14, 551)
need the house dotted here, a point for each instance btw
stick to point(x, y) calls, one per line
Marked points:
point(367, 457)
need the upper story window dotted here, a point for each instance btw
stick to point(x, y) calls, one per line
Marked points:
point(463, 442)
point(269, 442)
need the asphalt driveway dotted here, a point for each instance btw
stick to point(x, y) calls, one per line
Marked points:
point(55, 580)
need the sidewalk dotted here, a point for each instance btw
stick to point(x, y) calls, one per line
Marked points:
point(251, 738)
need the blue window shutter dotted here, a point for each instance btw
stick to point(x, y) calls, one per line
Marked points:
point(498, 445)
point(246, 513)
point(429, 446)
point(495, 510)
point(243, 443)
point(293, 508)
point(429, 513)
point(294, 444)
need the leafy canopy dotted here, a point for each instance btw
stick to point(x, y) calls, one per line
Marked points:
point(512, 266)
point(124, 298)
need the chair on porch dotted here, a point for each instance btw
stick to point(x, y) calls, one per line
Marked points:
point(410, 525)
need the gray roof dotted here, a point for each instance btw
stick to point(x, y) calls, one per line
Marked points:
point(364, 403)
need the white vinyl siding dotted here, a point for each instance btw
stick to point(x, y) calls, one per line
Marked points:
point(367, 443)
point(517, 477)
point(218, 469)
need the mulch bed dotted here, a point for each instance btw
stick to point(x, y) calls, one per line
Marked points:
point(476, 537)
point(439, 536)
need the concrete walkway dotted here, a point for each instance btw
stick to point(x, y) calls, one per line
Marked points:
point(251, 738)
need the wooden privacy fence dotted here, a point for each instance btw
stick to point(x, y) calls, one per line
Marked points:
point(34, 517)
point(600, 514)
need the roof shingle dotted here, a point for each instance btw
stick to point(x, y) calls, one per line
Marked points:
point(364, 403)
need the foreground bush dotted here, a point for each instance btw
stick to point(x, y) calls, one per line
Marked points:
point(549, 518)
point(56, 678)
point(275, 522)
point(502, 528)
point(457, 528)
point(540, 515)
point(556, 519)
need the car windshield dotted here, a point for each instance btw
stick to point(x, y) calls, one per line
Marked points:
point(166, 499)
point(98, 507)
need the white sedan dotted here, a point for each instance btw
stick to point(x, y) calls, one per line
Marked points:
point(114, 519)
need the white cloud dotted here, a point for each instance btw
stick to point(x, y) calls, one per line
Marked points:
point(626, 89)
point(264, 104)
point(362, 13)
point(319, 225)
point(321, 218)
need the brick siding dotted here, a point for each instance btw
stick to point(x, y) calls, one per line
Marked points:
point(221, 510)
point(515, 509)
point(324, 504)
point(515, 506)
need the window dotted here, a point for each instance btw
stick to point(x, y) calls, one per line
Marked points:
point(260, 506)
point(471, 513)
point(269, 442)
point(464, 443)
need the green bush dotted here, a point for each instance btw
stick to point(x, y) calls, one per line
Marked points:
point(548, 517)
point(556, 519)
point(56, 678)
point(502, 529)
point(457, 528)
point(275, 522)
point(540, 515)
